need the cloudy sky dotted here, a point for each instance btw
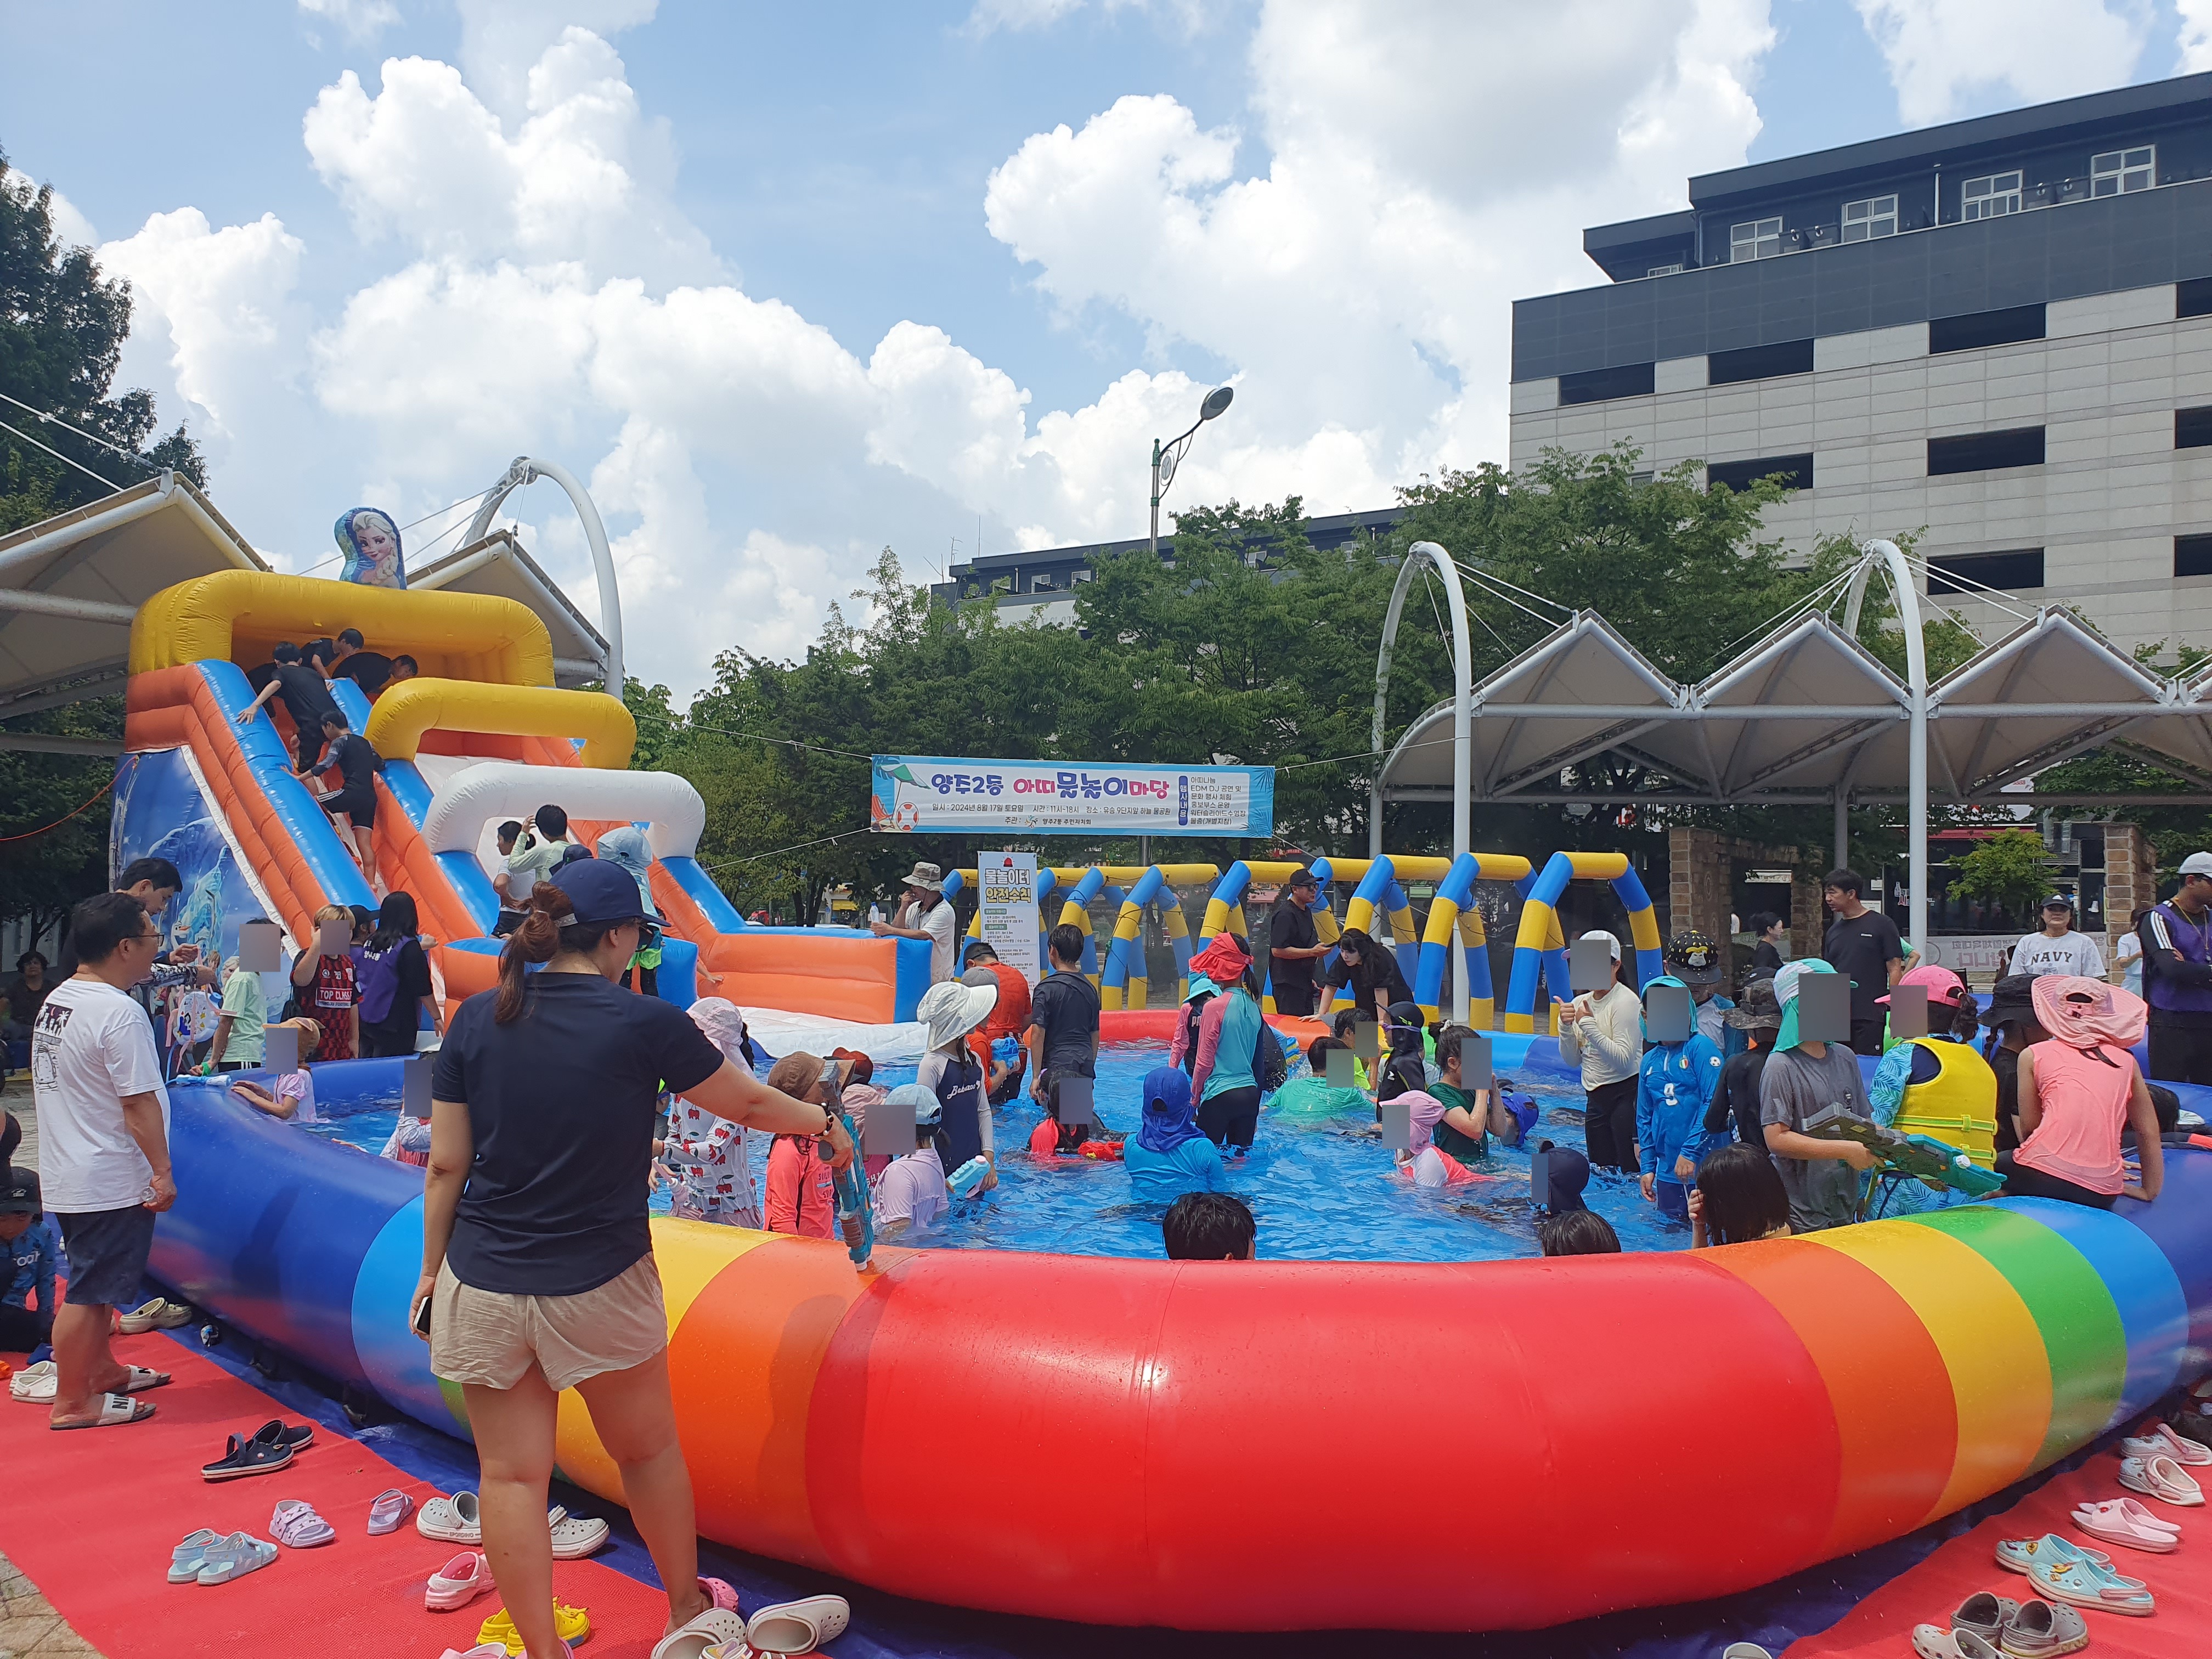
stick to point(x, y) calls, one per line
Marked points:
point(784, 283)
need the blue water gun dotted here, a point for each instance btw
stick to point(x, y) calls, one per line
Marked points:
point(968, 1176)
point(856, 1216)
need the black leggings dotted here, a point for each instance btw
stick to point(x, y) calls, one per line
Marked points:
point(2021, 1182)
point(1228, 1118)
point(21, 1329)
point(1609, 1125)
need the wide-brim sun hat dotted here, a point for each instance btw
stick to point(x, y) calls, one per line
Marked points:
point(1224, 960)
point(2011, 999)
point(929, 877)
point(1759, 1011)
point(952, 1010)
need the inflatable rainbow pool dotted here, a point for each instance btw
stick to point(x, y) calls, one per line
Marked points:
point(1256, 1447)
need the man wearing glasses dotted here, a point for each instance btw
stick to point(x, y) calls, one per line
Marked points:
point(103, 1152)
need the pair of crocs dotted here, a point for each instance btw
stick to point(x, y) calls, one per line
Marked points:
point(460, 1520)
point(297, 1527)
point(2123, 1521)
point(2063, 1571)
point(2162, 1478)
point(155, 1316)
point(786, 1628)
point(2158, 1439)
point(2029, 1630)
point(209, 1557)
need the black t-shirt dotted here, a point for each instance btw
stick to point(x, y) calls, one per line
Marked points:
point(368, 670)
point(306, 699)
point(1860, 948)
point(1735, 1100)
point(1390, 987)
point(1766, 959)
point(398, 1026)
point(1290, 927)
point(357, 762)
point(2005, 1062)
point(561, 1104)
point(1065, 1007)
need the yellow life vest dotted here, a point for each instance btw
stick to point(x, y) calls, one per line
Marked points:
point(1957, 1105)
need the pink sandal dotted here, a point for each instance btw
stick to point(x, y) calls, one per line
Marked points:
point(2123, 1521)
point(457, 1583)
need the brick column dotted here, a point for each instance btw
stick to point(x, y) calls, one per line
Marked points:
point(1808, 916)
point(2131, 879)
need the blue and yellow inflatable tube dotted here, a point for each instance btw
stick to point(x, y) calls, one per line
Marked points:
point(1540, 936)
point(1883, 1376)
point(1452, 910)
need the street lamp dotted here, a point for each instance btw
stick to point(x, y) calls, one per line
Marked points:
point(1165, 456)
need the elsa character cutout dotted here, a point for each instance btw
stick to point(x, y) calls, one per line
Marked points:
point(370, 542)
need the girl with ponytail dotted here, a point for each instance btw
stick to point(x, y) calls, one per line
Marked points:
point(538, 1269)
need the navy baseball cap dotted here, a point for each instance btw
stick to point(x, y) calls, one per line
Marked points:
point(600, 893)
point(19, 1193)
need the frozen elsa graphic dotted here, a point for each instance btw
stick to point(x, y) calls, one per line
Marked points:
point(370, 543)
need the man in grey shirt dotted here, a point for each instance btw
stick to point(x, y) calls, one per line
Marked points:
point(1800, 1083)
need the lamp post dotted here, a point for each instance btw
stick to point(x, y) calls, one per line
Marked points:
point(1166, 456)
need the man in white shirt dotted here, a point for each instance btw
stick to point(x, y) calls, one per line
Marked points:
point(103, 1152)
point(1605, 1028)
point(2058, 949)
point(925, 914)
point(543, 844)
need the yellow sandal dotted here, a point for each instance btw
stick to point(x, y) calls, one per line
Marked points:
point(572, 1625)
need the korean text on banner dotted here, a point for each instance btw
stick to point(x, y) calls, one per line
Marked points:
point(933, 794)
point(1008, 909)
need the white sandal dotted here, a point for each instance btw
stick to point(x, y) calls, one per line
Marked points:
point(716, 1628)
point(454, 1520)
point(796, 1627)
point(34, 1385)
point(576, 1536)
point(2160, 1478)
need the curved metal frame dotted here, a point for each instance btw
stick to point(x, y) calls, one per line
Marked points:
point(1907, 594)
point(526, 470)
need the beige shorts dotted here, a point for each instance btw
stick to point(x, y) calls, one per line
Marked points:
point(491, 1340)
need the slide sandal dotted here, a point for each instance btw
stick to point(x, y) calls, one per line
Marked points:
point(457, 1583)
point(236, 1555)
point(717, 1627)
point(795, 1627)
point(387, 1510)
point(453, 1520)
point(190, 1556)
point(142, 1378)
point(2109, 1524)
point(296, 1525)
point(115, 1410)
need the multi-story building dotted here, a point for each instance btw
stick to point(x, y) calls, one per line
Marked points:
point(1039, 587)
point(1995, 334)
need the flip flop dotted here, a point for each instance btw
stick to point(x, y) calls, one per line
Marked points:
point(115, 1411)
point(2075, 1583)
point(387, 1510)
point(242, 1457)
point(236, 1555)
point(454, 1520)
point(796, 1627)
point(190, 1556)
point(34, 1385)
point(717, 1627)
point(459, 1583)
point(1984, 1614)
point(571, 1624)
point(296, 1525)
point(2162, 1478)
point(2158, 1439)
point(2040, 1631)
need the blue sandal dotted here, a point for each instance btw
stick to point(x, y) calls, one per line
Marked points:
point(234, 1557)
point(189, 1557)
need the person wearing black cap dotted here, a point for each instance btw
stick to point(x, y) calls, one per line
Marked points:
point(27, 1267)
point(2014, 1027)
point(1294, 944)
point(538, 1266)
point(1735, 1102)
point(2057, 949)
point(1564, 1225)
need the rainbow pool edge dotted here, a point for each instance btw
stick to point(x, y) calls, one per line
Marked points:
point(1116, 1412)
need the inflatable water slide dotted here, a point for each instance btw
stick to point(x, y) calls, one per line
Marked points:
point(481, 736)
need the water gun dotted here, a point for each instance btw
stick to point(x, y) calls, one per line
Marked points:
point(1107, 1149)
point(856, 1216)
point(968, 1176)
point(1921, 1156)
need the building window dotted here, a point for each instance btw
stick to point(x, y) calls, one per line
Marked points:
point(1759, 362)
point(2192, 297)
point(1874, 217)
point(2192, 428)
point(2119, 170)
point(1662, 270)
point(1969, 572)
point(1080, 576)
point(1755, 239)
point(1985, 328)
point(2192, 555)
point(1795, 473)
point(1987, 198)
point(1041, 585)
point(1980, 451)
point(1598, 385)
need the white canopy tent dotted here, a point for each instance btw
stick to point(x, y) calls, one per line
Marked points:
point(1808, 716)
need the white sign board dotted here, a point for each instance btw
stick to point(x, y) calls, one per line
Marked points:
point(1007, 910)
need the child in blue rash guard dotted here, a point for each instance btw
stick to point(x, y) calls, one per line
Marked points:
point(1168, 1155)
point(1677, 1084)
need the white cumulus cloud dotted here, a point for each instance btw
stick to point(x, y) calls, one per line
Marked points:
point(1942, 53)
point(357, 20)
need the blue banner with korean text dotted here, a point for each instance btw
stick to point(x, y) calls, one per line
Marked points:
point(934, 795)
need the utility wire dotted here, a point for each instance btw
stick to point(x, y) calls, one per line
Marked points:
point(52, 419)
point(64, 817)
point(781, 852)
point(113, 488)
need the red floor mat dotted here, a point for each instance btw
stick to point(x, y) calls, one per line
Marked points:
point(2182, 1583)
point(91, 1516)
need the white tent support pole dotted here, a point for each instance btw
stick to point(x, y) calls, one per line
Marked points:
point(55, 604)
point(1463, 717)
point(30, 552)
point(1843, 828)
point(489, 555)
point(1915, 679)
point(527, 470)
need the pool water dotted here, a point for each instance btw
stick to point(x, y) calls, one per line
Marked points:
point(1321, 1191)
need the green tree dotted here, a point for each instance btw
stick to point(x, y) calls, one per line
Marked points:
point(2011, 868)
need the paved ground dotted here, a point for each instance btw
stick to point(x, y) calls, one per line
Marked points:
point(29, 1626)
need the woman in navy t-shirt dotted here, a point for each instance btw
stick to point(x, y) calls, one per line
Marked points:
point(536, 1256)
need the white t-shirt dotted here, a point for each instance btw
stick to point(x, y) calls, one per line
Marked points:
point(912, 1189)
point(91, 1045)
point(937, 922)
point(2071, 953)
